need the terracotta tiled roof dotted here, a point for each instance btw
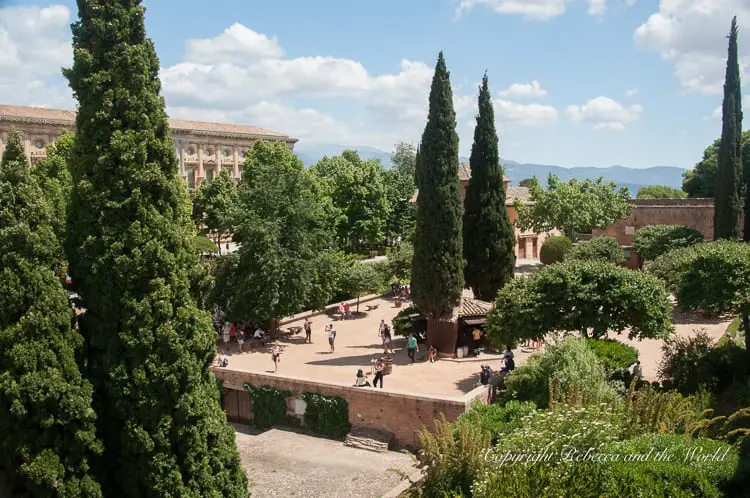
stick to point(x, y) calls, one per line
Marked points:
point(66, 117)
point(464, 173)
point(473, 307)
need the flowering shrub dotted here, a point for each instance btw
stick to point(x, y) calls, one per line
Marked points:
point(497, 419)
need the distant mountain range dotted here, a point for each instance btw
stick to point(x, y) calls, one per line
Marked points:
point(632, 178)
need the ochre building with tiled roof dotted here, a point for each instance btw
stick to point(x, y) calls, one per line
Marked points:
point(203, 149)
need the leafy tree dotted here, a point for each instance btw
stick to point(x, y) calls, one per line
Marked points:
point(404, 159)
point(555, 249)
point(281, 232)
point(660, 192)
point(53, 175)
point(592, 298)
point(129, 245)
point(526, 182)
point(700, 182)
point(652, 241)
point(489, 240)
point(214, 206)
point(714, 277)
point(605, 249)
point(46, 419)
point(727, 208)
point(360, 279)
point(329, 270)
point(573, 207)
point(399, 190)
point(358, 192)
point(437, 269)
point(400, 261)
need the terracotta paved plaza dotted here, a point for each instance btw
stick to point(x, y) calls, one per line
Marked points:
point(358, 344)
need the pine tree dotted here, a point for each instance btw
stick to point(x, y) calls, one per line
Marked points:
point(129, 245)
point(489, 241)
point(729, 176)
point(437, 268)
point(46, 419)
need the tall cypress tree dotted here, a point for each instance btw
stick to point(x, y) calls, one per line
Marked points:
point(129, 246)
point(437, 267)
point(727, 208)
point(46, 419)
point(489, 241)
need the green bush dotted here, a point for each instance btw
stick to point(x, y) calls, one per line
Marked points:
point(692, 362)
point(269, 407)
point(495, 418)
point(454, 455)
point(327, 415)
point(615, 356)
point(678, 476)
point(204, 245)
point(554, 249)
point(663, 412)
point(652, 241)
point(564, 366)
point(605, 249)
point(672, 265)
point(402, 324)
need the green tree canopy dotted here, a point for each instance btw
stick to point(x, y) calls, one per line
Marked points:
point(652, 241)
point(605, 249)
point(489, 240)
point(592, 298)
point(404, 159)
point(526, 182)
point(214, 206)
point(53, 175)
point(129, 245)
point(437, 269)
point(660, 192)
point(360, 279)
point(701, 180)
point(359, 195)
point(573, 207)
point(281, 231)
point(399, 189)
point(400, 261)
point(46, 420)
point(727, 203)
point(714, 277)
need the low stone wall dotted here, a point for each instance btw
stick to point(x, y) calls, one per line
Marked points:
point(329, 309)
point(402, 414)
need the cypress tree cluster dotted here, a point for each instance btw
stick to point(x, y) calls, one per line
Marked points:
point(489, 241)
point(129, 247)
point(437, 267)
point(727, 210)
point(47, 424)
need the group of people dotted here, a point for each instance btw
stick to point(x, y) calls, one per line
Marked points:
point(242, 333)
point(378, 369)
point(345, 310)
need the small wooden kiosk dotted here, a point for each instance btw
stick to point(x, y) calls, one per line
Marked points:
point(449, 331)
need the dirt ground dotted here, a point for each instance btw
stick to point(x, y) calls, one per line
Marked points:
point(283, 463)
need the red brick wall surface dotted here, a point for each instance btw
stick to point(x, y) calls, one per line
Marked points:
point(695, 213)
point(401, 414)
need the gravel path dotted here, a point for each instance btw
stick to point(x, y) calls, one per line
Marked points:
point(284, 463)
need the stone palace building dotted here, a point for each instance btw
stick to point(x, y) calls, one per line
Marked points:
point(203, 149)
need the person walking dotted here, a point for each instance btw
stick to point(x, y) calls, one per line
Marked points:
point(387, 341)
point(225, 333)
point(308, 330)
point(379, 373)
point(331, 337)
point(381, 331)
point(348, 311)
point(412, 347)
point(276, 356)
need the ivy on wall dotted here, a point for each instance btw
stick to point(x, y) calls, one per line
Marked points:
point(269, 407)
point(327, 415)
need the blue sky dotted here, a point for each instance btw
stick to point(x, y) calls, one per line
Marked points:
point(635, 84)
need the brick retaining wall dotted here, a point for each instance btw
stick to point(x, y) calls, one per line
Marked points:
point(402, 414)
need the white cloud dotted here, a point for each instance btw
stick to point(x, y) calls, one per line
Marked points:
point(692, 35)
point(34, 45)
point(524, 90)
point(632, 92)
point(242, 76)
point(532, 9)
point(597, 7)
point(604, 113)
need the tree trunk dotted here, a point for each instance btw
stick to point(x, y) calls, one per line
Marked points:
point(746, 329)
point(357, 304)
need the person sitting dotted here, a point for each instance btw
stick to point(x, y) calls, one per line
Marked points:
point(637, 371)
point(259, 333)
point(223, 360)
point(361, 381)
point(432, 354)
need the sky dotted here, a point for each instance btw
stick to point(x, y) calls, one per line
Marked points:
point(636, 83)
